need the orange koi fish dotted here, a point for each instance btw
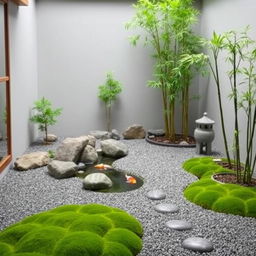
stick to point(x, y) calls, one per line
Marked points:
point(130, 179)
point(102, 166)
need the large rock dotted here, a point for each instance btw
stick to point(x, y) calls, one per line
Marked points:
point(71, 149)
point(61, 169)
point(115, 135)
point(89, 155)
point(134, 132)
point(113, 148)
point(96, 181)
point(51, 138)
point(32, 161)
point(92, 140)
point(101, 135)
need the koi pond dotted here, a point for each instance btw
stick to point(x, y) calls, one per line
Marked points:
point(122, 180)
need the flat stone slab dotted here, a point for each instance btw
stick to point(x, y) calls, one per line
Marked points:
point(156, 194)
point(180, 225)
point(197, 244)
point(166, 208)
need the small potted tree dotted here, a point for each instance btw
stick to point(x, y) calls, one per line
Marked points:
point(108, 93)
point(45, 115)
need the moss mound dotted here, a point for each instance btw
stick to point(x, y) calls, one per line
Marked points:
point(74, 230)
point(210, 194)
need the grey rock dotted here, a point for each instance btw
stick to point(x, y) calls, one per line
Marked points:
point(101, 135)
point(71, 148)
point(96, 181)
point(32, 161)
point(89, 155)
point(156, 132)
point(51, 138)
point(166, 208)
point(156, 194)
point(115, 135)
point(197, 244)
point(113, 148)
point(92, 140)
point(134, 132)
point(61, 169)
point(179, 225)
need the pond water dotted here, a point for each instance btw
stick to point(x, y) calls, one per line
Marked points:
point(117, 176)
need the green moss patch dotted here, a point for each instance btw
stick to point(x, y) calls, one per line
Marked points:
point(74, 230)
point(219, 197)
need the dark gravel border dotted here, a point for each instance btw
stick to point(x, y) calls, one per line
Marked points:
point(33, 191)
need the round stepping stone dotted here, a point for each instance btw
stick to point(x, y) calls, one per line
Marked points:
point(166, 208)
point(197, 244)
point(179, 225)
point(156, 194)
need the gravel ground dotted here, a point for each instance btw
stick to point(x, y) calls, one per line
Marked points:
point(26, 193)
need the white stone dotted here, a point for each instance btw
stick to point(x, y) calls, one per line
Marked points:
point(61, 169)
point(32, 161)
point(71, 149)
point(179, 225)
point(96, 181)
point(166, 208)
point(197, 244)
point(113, 148)
point(156, 194)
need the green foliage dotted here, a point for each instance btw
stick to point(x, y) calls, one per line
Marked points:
point(168, 26)
point(77, 230)
point(230, 204)
point(210, 194)
point(51, 153)
point(240, 50)
point(108, 93)
point(45, 116)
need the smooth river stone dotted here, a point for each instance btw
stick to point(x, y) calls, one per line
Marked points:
point(157, 194)
point(166, 208)
point(179, 225)
point(197, 244)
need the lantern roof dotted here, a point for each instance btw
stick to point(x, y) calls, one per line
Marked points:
point(205, 120)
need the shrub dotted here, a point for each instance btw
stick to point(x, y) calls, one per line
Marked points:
point(77, 230)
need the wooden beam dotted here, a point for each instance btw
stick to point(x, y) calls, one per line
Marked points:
point(4, 79)
point(21, 2)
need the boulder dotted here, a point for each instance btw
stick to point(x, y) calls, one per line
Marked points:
point(89, 155)
point(92, 140)
point(113, 148)
point(51, 138)
point(134, 132)
point(101, 135)
point(96, 181)
point(71, 149)
point(61, 169)
point(115, 135)
point(32, 161)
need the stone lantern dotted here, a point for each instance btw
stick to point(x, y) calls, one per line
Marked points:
point(204, 135)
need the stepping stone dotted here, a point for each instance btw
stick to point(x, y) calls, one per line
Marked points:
point(180, 225)
point(166, 208)
point(156, 194)
point(197, 244)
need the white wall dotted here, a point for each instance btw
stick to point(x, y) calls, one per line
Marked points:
point(78, 42)
point(221, 16)
point(23, 64)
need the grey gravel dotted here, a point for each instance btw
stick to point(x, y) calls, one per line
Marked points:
point(26, 193)
point(180, 225)
point(166, 208)
point(197, 244)
point(156, 194)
